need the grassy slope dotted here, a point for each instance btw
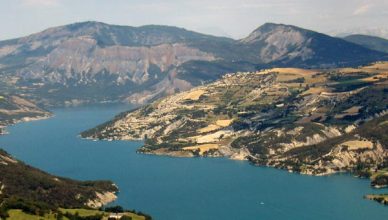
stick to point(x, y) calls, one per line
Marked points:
point(16, 214)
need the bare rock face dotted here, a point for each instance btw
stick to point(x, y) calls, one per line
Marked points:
point(82, 60)
point(101, 199)
point(280, 42)
point(92, 58)
point(290, 45)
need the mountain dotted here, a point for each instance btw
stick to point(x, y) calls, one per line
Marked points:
point(97, 62)
point(14, 109)
point(371, 42)
point(287, 45)
point(93, 62)
point(309, 121)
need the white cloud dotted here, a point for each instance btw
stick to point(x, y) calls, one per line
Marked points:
point(363, 9)
point(247, 5)
point(236, 17)
point(40, 3)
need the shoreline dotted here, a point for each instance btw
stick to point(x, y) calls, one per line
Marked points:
point(101, 199)
point(4, 131)
point(188, 154)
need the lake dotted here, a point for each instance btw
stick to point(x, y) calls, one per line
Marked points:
point(185, 188)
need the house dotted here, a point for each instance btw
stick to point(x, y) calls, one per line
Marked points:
point(114, 216)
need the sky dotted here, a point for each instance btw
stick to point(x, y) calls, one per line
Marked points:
point(232, 18)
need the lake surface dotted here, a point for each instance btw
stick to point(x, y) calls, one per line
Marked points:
point(185, 188)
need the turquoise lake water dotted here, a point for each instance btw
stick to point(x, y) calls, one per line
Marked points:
point(185, 188)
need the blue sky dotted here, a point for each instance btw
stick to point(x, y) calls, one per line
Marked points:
point(234, 18)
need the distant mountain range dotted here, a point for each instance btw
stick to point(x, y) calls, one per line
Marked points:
point(370, 31)
point(371, 42)
point(93, 62)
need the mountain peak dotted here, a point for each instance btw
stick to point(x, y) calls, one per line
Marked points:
point(86, 24)
point(109, 34)
point(271, 25)
point(270, 28)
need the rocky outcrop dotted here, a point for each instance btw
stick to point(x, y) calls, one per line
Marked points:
point(383, 199)
point(101, 199)
point(341, 159)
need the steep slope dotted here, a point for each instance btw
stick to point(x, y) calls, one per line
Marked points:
point(289, 45)
point(309, 121)
point(371, 42)
point(14, 109)
point(81, 60)
point(22, 185)
point(92, 62)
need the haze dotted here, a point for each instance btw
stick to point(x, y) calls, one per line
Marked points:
point(233, 18)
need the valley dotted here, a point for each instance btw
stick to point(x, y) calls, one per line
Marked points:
point(283, 97)
point(191, 187)
point(29, 193)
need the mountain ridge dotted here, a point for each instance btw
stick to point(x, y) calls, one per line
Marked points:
point(371, 42)
point(72, 64)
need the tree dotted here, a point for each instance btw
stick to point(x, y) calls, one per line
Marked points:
point(115, 209)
